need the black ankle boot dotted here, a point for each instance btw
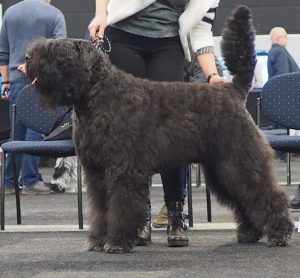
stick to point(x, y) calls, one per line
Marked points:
point(144, 234)
point(295, 202)
point(176, 228)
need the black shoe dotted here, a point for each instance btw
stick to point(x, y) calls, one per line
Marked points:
point(295, 202)
point(176, 228)
point(144, 234)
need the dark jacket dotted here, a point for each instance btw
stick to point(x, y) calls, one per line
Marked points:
point(280, 61)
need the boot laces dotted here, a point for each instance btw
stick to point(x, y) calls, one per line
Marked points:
point(297, 195)
point(176, 220)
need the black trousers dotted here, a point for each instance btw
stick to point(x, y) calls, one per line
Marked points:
point(160, 59)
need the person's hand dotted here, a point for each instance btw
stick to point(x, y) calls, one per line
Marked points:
point(4, 90)
point(217, 79)
point(22, 68)
point(98, 24)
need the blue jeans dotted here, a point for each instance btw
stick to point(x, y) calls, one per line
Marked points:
point(27, 165)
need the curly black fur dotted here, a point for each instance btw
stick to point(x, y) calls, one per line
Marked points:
point(238, 47)
point(128, 128)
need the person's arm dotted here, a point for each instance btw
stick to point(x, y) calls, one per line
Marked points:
point(5, 79)
point(4, 56)
point(203, 45)
point(281, 63)
point(207, 63)
point(60, 29)
point(99, 22)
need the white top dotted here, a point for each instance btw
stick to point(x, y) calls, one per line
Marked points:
point(190, 21)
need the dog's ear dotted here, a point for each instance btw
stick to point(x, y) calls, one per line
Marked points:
point(88, 53)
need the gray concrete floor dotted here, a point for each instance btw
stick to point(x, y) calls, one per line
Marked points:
point(60, 251)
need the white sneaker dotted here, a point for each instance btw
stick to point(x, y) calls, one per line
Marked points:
point(38, 188)
point(9, 190)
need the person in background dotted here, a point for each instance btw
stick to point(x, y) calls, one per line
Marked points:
point(22, 23)
point(280, 61)
point(149, 40)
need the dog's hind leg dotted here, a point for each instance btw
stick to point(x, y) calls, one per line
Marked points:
point(246, 231)
point(264, 201)
point(279, 225)
point(250, 187)
point(127, 197)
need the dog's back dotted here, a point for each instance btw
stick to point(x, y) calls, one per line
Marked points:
point(238, 48)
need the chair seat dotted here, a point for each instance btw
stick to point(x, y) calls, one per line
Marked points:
point(279, 131)
point(59, 148)
point(285, 143)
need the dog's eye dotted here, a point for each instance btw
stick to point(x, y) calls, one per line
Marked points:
point(27, 58)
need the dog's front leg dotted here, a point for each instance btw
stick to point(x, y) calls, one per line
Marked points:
point(96, 191)
point(126, 211)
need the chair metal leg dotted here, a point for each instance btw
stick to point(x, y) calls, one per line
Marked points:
point(198, 175)
point(79, 195)
point(150, 181)
point(190, 196)
point(258, 111)
point(17, 191)
point(208, 204)
point(2, 190)
point(288, 169)
point(208, 198)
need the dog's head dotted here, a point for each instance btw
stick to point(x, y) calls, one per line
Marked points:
point(61, 70)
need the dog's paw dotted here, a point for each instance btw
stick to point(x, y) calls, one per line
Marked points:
point(246, 234)
point(283, 237)
point(115, 249)
point(278, 242)
point(95, 245)
point(118, 247)
point(248, 237)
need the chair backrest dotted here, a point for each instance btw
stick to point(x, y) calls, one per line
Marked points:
point(4, 120)
point(33, 115)
point(280, 100)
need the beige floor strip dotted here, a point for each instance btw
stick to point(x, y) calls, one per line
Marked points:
point(74, 228)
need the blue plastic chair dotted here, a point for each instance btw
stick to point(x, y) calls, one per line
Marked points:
point(30, 113)
point(280, 102)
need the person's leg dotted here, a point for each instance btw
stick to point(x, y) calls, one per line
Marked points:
point(20, 133)
point(126, 54)
point(166, 63)
point(30, 164)
point(31, 179)
point(165, 60)
point(295, 202)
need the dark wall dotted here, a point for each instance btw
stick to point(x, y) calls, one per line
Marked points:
point(266, 14)
point(78, 14)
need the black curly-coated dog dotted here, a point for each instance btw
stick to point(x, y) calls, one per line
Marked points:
point(128, 128)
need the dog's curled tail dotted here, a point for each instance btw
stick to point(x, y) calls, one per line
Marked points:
point(238, 48)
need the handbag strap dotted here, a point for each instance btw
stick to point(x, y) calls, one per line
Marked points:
point(61, 118)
